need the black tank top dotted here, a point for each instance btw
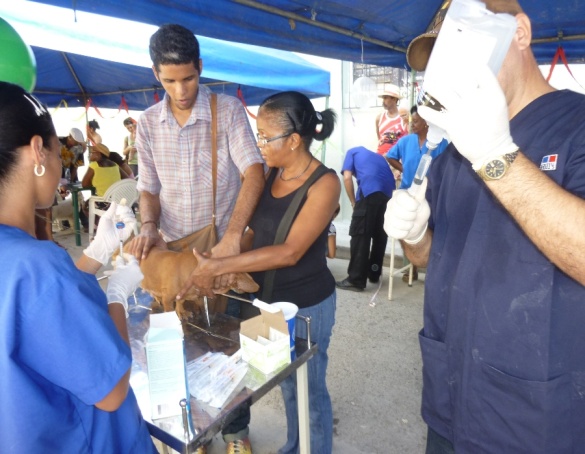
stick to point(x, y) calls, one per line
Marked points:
point(309, 281)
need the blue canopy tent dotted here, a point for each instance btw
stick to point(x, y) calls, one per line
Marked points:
point(74, 79)
point(63, 74)
point(370, 31)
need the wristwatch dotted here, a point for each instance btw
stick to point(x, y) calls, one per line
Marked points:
point(496, 168)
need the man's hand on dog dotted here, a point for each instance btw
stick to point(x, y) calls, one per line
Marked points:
point(149, 237)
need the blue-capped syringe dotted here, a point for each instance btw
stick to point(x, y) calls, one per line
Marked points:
point(434, 137)
point(120, 230)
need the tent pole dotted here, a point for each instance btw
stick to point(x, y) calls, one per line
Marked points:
point(412, 90)
point(74, 74)
point(331, 28)
point(83, 94)
point(557, 39)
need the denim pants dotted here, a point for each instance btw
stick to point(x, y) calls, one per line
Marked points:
point(238, 428)
point(320, 411)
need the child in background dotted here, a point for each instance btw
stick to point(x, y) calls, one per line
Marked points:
point(332, 237)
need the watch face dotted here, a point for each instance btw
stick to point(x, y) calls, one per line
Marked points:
point(495, 169)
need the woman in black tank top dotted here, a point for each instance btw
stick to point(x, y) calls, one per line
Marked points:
point(290, 264)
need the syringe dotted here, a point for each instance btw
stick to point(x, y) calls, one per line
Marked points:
point(434, 137)
point(120, 229)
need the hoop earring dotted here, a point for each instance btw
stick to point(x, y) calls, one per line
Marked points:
point(42, 172)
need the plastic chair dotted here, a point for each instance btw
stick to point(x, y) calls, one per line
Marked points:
point(123, 189)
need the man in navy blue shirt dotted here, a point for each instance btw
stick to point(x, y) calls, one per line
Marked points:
point(501, 234)
point(368, 238)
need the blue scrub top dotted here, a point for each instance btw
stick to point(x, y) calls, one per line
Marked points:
point(503, 342)
point(60, 353)
point(409, 153)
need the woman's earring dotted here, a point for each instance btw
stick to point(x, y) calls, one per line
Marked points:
point(41, 172)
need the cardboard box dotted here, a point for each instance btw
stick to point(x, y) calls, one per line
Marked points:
point(265, 342)
point(165, 357)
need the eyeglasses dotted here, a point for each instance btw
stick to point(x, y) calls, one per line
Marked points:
point(263, 140)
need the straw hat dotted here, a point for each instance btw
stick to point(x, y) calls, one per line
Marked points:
point(101, 148)
point(391, 90)
point(419, 49)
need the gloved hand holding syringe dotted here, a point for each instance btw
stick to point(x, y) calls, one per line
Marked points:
point(120, 229)
point(107, 238)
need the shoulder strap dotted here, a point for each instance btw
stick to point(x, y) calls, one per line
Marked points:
point(213, 152)
point(286, 223)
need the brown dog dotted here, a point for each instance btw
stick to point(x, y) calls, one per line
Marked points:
point(165, 273)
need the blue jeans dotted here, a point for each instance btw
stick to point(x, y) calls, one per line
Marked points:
point(320, 411)
point(238, 428)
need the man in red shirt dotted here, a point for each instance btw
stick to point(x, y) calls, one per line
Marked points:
point(389, 124)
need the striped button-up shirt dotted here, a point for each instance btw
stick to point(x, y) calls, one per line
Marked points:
point(175, 162)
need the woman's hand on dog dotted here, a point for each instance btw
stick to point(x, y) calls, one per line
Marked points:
point(202, 277)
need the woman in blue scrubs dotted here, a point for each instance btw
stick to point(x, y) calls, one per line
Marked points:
point(64, 353)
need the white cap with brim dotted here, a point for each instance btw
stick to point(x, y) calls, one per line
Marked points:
point(77, 135)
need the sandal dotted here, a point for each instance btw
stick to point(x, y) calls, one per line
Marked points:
point(414, 276)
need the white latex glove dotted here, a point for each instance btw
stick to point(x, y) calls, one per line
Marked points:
point(406, 216)
point(123, 281)
point(107, 238)
point(476, 116)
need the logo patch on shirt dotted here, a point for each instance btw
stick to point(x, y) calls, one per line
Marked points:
point(549, 162)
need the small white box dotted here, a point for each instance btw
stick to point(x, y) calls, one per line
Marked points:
point(165, 356)
point(265, 342)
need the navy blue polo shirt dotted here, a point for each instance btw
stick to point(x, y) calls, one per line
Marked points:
point(503, 342)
